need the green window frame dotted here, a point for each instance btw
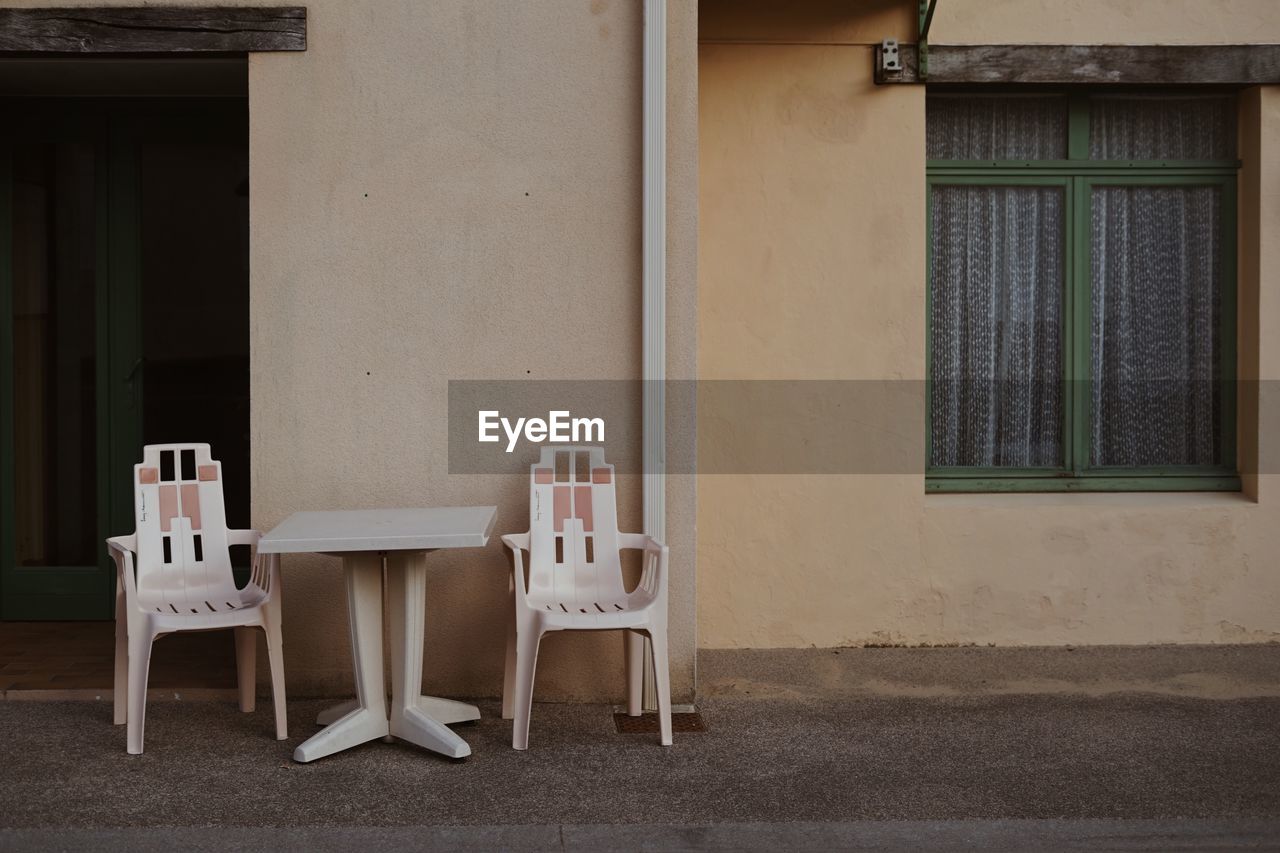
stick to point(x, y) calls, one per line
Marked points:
point(1077, 176)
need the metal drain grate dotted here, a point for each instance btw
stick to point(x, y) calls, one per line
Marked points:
point(648, 723)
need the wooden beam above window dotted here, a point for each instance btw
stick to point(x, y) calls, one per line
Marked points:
point(153, 29)
point(1101, 64)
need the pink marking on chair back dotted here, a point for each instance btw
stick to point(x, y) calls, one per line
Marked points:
point(183, 561)
point(573, 530)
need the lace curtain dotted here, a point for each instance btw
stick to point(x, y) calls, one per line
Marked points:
point(996, 325)
point(997, 127)
point(1156, 303)
point(1162, 127)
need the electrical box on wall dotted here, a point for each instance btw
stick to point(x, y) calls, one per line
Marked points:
point(894, 62)
point(890, 62)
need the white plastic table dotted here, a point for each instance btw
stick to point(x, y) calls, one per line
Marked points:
point(362, 538)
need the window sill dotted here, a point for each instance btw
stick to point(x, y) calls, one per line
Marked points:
point(1036, 484)
point(1143, 500)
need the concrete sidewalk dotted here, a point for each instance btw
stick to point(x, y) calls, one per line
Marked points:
point(866, 748)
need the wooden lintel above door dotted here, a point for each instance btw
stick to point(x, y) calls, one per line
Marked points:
point(152, 30)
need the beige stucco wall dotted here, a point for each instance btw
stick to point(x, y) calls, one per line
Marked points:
point(451, 190)
point(811, 265)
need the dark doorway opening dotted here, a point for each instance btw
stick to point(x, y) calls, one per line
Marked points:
point(194, 231)
point(124, 307)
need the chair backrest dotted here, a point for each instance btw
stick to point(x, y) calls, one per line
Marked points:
point(183, 562)
point(573, 531)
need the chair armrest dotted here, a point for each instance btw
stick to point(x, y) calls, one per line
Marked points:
point(518, 543)
point(122, 549)
point(264, 568)
point(639, 542)
point(243, 537)
point(654, 577)
point(265, 573)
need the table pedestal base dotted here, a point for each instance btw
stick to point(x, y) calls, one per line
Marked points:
point(421, 720)
point(447, 711)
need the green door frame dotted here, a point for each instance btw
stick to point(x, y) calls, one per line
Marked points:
point(117, 129)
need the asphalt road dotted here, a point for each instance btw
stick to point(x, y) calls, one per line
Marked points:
point(868, 749)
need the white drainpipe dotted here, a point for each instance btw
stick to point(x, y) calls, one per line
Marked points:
point(655, 288)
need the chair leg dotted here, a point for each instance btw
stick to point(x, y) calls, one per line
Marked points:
point(509, 673)
point(246, 667)
point(275, 657)
point(634, 642)
point(662, 680)
point(120, 691)
point(139, 667)
point(526, 662)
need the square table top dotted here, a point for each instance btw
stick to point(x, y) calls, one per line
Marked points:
point(424, 529)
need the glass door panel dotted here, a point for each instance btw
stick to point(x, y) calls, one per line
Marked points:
point(54, 365)
point(52, 429)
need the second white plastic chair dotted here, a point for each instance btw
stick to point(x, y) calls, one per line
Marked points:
point(576, 583)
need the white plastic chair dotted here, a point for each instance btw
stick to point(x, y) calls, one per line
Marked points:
point(575, 581)
point(175, 575)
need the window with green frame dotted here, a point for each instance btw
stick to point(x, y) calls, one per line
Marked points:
point(1081, 295)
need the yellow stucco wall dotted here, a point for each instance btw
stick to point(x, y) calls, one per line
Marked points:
point(1105, 22)
point(452, 190)
point(811, 265)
